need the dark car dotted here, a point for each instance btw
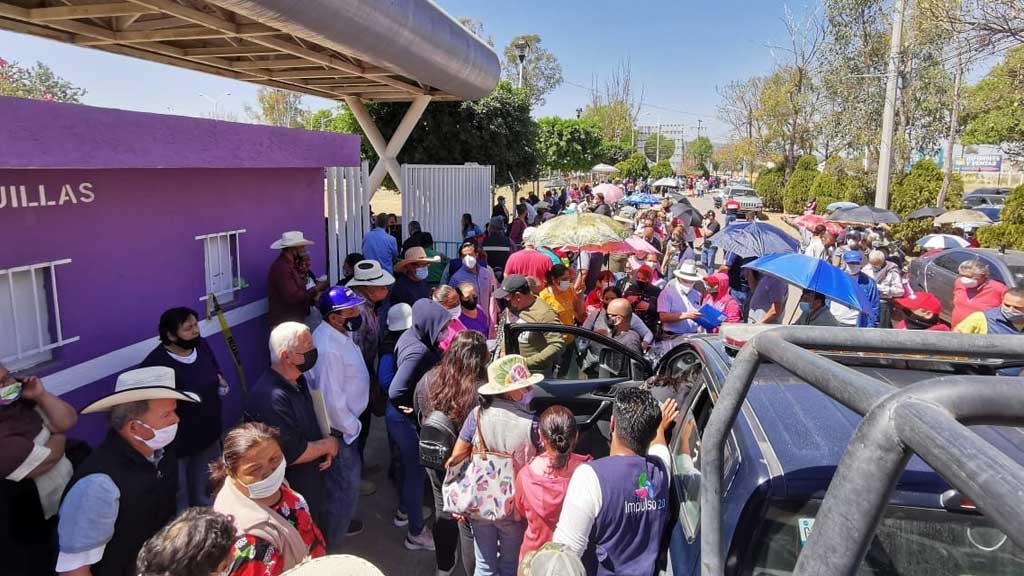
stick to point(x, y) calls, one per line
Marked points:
point(935, 273)
point(988, 191)
point(782, 453)
point(975, 201)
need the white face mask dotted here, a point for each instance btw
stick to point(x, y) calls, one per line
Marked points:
point(469, 261)
point(685, 286)
point(852, 243)
point(969, 282)
point(455, 312)
point(563, 285)
point(853, 269)
point(268, 486)
point(422, 273)
point(161, 438)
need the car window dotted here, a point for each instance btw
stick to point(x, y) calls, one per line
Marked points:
point(1018, 275)
point(952, 260)
point(582, 359)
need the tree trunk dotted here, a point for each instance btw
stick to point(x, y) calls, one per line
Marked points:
point(954, 128)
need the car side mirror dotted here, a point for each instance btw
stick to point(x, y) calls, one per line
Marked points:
point(614, 363)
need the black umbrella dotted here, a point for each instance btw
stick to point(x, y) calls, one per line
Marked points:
point(926, 212)
point(865, 215)
point(687, 213)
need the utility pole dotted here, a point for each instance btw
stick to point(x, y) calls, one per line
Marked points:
point(699, 124)
point(657, 143)
point(954, 128)
point(522, 53)
point(889, 113)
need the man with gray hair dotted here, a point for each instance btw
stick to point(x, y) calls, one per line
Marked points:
point(281, 399)
point(974, 290)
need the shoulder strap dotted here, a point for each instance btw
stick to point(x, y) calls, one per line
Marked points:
point(480, 430)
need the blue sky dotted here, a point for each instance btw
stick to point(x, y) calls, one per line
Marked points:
point(679, 52)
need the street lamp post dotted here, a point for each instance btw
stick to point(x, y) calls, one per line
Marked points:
point(579, 112)
point(215, 101)
point(522, 53)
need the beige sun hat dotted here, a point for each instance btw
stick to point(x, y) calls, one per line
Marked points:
point(290, 239)
point(508, 373)
point(414, 255)
point(335, 564)
point(688, 271)
point(152, 383)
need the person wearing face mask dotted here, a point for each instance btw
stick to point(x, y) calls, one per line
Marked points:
point(850, 244)
point(813, 311)
point(275, 531)
point(974, 290)
point(506, 422)
point(473, 270)
point(342, 378)
point(541, 349)
point(473, 316)
point(597, 319)
point(562, 298)
point(1007, 318)
point(679, 302)
point(449, 298)
point(196, 370)
point(918, 311)
point(281, 398)
point(411, 283)
point(644, 295)
point(288, 295)
point(889, 281)
point(124, 492)
point(717, 295)
point(846, 316)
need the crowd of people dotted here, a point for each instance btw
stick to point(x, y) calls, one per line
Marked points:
point(419, 340)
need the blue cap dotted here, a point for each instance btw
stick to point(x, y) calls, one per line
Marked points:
point(339, 298)
point(853, 257)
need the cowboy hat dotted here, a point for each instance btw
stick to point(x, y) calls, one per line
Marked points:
point(335, 564)
point(508, 373)
point(415, 255)
point(152, 383)
point(370, 273)
point(290, 239)
point(688, 271)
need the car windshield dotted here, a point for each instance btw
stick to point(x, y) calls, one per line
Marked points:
point(909, 541)
point(743, 192)
point(1018, 274)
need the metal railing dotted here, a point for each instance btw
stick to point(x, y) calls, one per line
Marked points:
point(223, 265)
point(928, 418)
point(34, 339)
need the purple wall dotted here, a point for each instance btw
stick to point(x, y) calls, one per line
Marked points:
point(134, 254)
point(40, 134)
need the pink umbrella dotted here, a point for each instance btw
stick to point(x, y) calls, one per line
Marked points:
point(612, 193)
point(809, 221)
point(631, 245)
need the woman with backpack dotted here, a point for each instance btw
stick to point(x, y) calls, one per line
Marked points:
point(451, 390)
point(541, 485)
point(499, 437)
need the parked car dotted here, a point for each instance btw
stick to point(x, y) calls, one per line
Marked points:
point(994, 213)
point(935, 273)
point(784, 448)
point(745, 195)
point(989, 191)
point(978, 200)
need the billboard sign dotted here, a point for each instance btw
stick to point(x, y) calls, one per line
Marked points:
point(978, 163)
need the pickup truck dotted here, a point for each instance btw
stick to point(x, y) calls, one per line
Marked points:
point(780, 457)
point(747, 198)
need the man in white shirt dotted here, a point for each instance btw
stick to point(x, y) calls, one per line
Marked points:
point(611, 500)
point(816, 247)
point(679, 301)
point(341, 377)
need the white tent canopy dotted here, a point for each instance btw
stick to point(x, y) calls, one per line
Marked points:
point(666, 182)
point(604, 169)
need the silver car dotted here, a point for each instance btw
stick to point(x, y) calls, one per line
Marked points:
point(936, 273)
point(747, 198)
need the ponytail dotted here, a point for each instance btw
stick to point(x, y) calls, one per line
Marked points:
point(558, 428)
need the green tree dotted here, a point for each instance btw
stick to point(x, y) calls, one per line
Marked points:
point(662, 169)
point(477, 28)
point(700, 150)
point(1008, 233)
point(797, 192)
point(920, 187)
point(836, 183)
point(37, 82)
point(542, 72)
point(565, 145)
point(495, 130)
point(658, 146)
point(612, 152)
point(633, 167)
point(277, 107)
point(994, 107)
point(769, 186)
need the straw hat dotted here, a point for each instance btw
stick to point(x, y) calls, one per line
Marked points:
point(552, 560)
point(290, 239)
point(370, 273)
point(152, 383)
point(335, 564)
point(688, 271)
point(507, 374)
point(415, 255)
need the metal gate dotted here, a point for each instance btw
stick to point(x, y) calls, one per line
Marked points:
point(348, 214)
point(438, 195)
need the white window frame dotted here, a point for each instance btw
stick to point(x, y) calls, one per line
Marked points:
point(28, 355)
point(214, 264)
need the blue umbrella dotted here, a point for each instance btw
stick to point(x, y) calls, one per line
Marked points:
point(754, 239)
point(813, 274)
point(639, 198)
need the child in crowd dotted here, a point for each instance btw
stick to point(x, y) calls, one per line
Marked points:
point(540, 486)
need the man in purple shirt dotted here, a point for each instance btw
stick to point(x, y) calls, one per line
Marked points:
point(616, 508)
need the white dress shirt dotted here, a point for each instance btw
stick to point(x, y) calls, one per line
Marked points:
point(341, 376)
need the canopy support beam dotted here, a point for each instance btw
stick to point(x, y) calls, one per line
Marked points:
point(387, 151)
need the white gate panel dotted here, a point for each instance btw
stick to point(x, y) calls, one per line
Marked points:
point(438, 195)
point(348, 214)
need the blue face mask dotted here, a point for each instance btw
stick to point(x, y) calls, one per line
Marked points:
point(526, 399)
point(805, 307)
point(422, 273)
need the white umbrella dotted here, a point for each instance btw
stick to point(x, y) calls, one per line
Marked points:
point(604, 169)
point(666, 182)
point(942, 242)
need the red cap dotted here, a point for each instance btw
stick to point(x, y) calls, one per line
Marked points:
point(920, 301)
point(645, 270)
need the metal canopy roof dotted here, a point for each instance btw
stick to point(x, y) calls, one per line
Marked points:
point(369, 49)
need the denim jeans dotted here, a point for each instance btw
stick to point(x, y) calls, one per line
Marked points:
point(411, 474)
point(342, 480)
point(707, 256)
point(497, 546)
point(194, 477)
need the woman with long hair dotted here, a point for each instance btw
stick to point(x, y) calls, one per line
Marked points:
point(451, 388)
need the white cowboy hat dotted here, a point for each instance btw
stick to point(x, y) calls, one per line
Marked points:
point(688, 271)
point(335, 564)
point(508, 373)
point(399, 317)
point(414, 255)
point(152, 383)
point(290, 239)
point(370, 273)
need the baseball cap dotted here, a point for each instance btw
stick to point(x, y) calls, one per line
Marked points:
point(920, 300)
point(853, 257)
point(512, 283)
